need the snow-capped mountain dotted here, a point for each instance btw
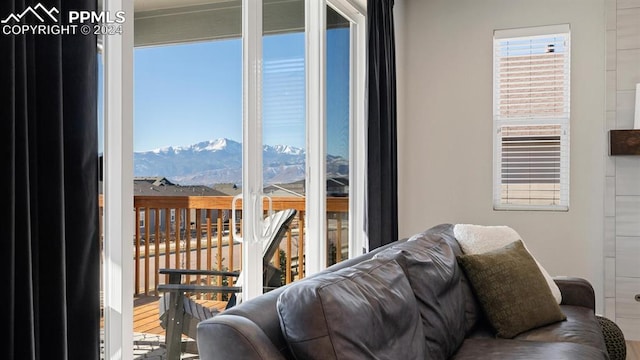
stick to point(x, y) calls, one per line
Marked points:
point(220, 161)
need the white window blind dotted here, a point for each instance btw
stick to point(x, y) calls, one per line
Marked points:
point(531, 118)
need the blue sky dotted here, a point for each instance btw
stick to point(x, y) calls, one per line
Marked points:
point(189, 93)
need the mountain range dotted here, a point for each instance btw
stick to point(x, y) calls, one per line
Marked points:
point(220, 161)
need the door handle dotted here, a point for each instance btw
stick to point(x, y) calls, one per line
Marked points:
point(261, 231)
point(233, 218)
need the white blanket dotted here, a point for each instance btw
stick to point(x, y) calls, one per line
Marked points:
point(478, 239)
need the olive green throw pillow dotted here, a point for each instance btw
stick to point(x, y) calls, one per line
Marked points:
point(511, 289)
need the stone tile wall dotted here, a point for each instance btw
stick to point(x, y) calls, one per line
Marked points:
point(622, 182)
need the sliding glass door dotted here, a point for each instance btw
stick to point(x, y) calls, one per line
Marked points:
point(236, 99)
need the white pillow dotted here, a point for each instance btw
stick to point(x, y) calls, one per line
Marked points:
point(478, 239)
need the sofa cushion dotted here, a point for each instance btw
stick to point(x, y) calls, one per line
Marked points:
point(367, 311)
point(444, 232)
point(511, 289)
point(501, 349)
point(434, 275)
point(581, 327)
point(477, 239)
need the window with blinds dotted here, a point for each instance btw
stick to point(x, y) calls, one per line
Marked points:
point(531, 118)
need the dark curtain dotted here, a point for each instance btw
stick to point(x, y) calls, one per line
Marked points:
point(382, 171)
point(50, 251)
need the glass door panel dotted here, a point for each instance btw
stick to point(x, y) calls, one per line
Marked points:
point(338, 130)
point(187, 143)
point(188, 154)
point(284, 126)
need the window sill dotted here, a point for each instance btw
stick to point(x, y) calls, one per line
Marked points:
point(555, 208)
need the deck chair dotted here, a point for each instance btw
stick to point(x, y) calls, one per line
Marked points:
point(179, 314)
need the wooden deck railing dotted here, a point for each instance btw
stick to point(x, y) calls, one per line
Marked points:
point(192, 232)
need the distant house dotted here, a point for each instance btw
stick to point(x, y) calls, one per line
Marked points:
point(296, 188)
point(336, 186)
point(161, 186)
point(228, 188)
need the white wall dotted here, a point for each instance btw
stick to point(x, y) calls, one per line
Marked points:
point(445, 125)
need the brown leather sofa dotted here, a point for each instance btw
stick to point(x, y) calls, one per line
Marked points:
point(350, 311)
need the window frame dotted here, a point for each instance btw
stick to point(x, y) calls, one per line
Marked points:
point(564, 120)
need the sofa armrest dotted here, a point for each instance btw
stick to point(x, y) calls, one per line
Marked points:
point(224, 337)
point(576, 291)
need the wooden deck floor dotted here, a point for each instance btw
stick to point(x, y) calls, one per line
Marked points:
point(146, 314)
